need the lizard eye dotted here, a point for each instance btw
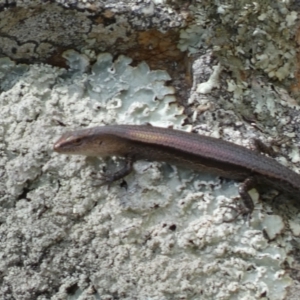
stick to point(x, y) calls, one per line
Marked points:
point(77, 141)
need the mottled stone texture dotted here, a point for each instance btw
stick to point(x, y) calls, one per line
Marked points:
point(234, 68)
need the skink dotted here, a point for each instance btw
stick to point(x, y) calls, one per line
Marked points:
point(189, 150)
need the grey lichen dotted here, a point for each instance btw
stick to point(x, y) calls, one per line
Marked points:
point(260, 34)
point(165, 235)
point(42, 32)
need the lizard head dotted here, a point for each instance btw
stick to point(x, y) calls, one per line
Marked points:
point(90, 143)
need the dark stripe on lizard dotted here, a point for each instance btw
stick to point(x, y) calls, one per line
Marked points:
point(190, 150)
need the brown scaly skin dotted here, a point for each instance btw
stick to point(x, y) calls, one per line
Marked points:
point(189, 150)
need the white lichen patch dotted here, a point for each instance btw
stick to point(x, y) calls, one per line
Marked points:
point(273, 226)
point(213, 82)
point(161, 234)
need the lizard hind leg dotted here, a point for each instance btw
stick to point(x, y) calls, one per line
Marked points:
point(247, 206)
